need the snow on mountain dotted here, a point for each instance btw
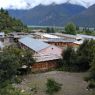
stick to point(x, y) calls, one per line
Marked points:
point(85, 3)
point(26, 4)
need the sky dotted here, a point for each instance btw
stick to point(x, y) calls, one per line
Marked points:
point(26, 4)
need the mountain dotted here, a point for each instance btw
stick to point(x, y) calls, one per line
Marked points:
point(50, 15)
point(86, 18)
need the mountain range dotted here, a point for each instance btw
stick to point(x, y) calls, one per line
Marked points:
point(85, 18)
point(57, 15)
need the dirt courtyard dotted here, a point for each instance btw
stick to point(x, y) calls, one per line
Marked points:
point(72, 83)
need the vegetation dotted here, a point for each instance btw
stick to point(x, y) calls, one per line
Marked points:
point(80, 60)
point(69, 59)
point(11, 59)
point(83, 59)
point(9, 24)
point(52, 86)
point(87, 31)
point(50, 30)
point(92, 69)
point(9, 64)
point(79, 30)
point(27, 59)
point(91, 77)
point(91, 84)
point(9, 90)
point(70, 29)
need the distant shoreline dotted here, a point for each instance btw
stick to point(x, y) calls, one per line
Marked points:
point(58, 27)
point(30, 26)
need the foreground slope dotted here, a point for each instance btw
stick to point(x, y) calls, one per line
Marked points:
point(72, 83)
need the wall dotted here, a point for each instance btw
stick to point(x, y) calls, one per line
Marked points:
point(44, 66)
point(63, 44)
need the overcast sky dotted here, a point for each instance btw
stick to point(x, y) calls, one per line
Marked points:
point(23, 4)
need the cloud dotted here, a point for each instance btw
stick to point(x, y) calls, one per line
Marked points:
point(15, 4)
point(26, 4)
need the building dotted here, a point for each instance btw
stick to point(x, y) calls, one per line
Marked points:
point(49, 36)
point(64, 40)
point(66, 36)
point(46, 55)
point(88, 37)
point(2, 35)
point(1, 46)
point(58, 40)
point(38, 30)
point(44, 36)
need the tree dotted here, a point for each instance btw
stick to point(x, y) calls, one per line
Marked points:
point(79, 60)
point(27, 59)
point(48, 30)
point(52, 30)
point(91, 77)
point(11, 59)
point(8, 66)
point(86, 54)
point(9, 24)
point(77, 28)
point(3, 11)
point(92, 69)
point(69, 59)
point(70, 29)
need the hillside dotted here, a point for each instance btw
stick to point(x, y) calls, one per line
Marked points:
point(86, 18)
point(50, 15)
point(9, 24)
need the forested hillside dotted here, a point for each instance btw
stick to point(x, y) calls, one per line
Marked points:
point(9, 24)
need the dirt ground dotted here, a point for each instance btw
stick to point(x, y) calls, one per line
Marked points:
point(72, 83)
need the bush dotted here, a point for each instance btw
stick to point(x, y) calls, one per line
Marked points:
point(87, 79)
point(91, 84)
point(18, 80)
point(79, 60)
point(9, 90)
point(52, 86)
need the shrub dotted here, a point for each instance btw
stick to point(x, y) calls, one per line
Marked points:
point(9, 90)
point(87, 78)
point(18, 80)
point(91, 84)
point(52, 86)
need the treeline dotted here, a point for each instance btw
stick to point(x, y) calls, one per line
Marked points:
point(80, 60)
point(87, 31)
point(9, 24)
point(73, 29)
point(50, 30)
